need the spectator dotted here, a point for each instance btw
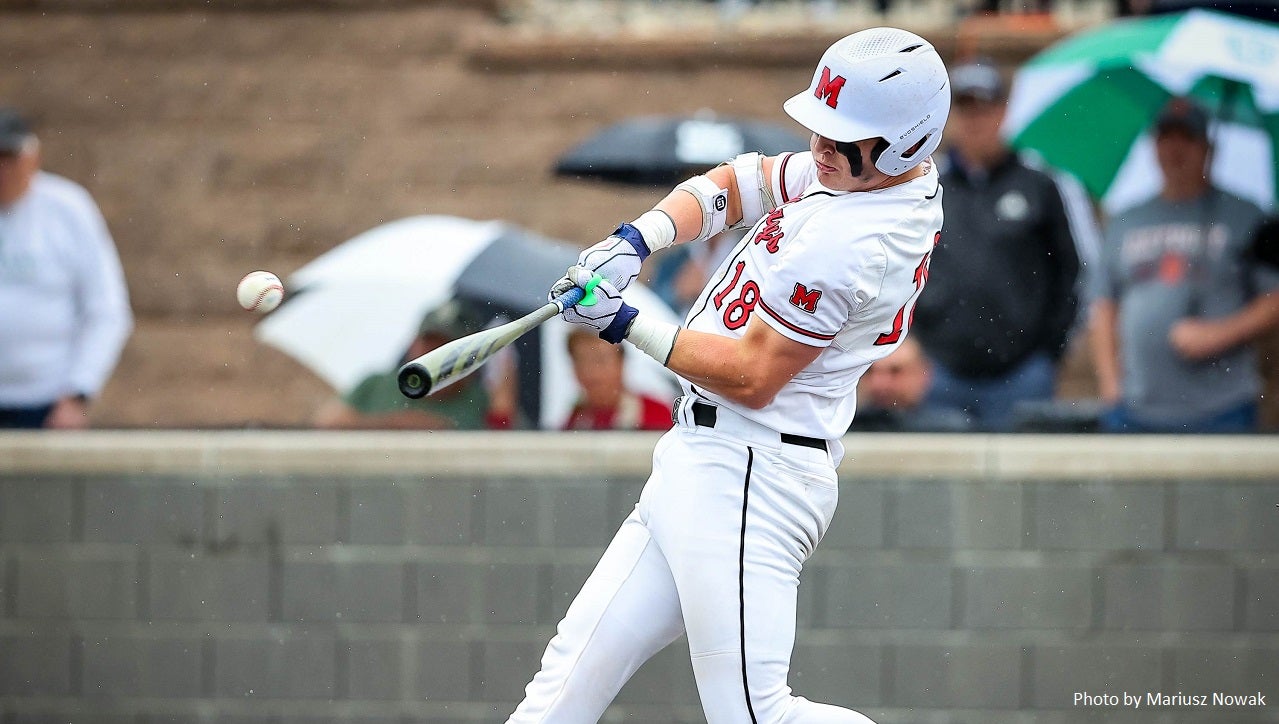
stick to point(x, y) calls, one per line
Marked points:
point(469, 404)
point(996, 314)
point(64, 305)
point(893, 396)
point(605, 403)
point(1179, 300)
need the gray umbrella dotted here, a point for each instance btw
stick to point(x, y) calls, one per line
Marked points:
point(664, 150)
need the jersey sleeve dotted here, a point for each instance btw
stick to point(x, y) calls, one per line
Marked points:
point(808, 298)
point(792, 174)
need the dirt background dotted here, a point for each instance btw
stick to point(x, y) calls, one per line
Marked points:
point(222, 138)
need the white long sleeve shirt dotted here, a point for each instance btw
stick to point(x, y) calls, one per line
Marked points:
point(64, 307)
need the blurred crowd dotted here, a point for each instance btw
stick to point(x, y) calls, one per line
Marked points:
point(1169, 301)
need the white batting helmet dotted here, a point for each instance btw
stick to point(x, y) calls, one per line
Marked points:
point(879, 83)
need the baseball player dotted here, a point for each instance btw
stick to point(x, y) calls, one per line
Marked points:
point(744, 486)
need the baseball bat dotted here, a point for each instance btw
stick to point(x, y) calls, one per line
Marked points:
point(447, 364)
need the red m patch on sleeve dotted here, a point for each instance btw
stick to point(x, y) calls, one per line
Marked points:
point(805, 299)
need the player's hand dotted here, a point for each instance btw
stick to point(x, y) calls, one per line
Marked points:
point(617, 258)
point(609, 315)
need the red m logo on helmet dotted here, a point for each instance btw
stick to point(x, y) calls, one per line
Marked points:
point(828, 88)
point(805, 299)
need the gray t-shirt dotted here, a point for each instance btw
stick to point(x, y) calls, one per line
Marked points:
point(1162, 263)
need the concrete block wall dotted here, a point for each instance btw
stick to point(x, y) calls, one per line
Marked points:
point(272, 598)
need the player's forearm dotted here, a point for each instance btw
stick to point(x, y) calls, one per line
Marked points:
point(723, 366)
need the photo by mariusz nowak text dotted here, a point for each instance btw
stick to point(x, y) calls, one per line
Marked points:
point(1158, 699)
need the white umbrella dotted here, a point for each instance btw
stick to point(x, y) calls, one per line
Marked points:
point(354, 310)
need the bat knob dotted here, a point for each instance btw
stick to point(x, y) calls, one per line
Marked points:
point(414, 381)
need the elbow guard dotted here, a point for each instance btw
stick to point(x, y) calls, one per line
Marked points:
point(713, 201)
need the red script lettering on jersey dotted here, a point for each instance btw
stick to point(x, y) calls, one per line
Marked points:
point(771, 232)
point(805, 299)
point(904, 319)
point(828, 88)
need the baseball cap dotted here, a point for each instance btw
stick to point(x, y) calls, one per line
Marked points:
point(978, 79)
point(14, 130)
point(1183, 114)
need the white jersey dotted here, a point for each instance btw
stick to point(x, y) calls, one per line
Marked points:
point(830, 269)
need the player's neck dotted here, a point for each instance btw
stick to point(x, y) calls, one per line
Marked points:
point(890, 181)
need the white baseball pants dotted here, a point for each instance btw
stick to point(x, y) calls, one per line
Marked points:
point(713, 549)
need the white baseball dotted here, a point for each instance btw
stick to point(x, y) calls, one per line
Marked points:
point(260, 291)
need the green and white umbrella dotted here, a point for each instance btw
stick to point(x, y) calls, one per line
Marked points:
point(1086, 103)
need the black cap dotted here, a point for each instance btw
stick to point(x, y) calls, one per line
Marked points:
point(14, 130)
point(978, 79)
point(1185, 115)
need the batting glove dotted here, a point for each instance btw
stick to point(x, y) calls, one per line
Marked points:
point(609, 315)
point(617, 258)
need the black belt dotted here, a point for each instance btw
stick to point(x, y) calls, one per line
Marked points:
point(704, 415)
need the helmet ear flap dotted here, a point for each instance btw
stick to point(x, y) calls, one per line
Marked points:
point(905, 154)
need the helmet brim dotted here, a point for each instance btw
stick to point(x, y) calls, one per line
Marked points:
point(813, 113)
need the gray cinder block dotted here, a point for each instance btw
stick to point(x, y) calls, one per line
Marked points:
point(378, 514)
point(1095, 516)
point(80, 586)
point(922, 515)
point(443, 513)
point(836, 672)
point(288, 664)
point(120, 665)
point(37, 510)
point(889, 595)
point(204, 587)
point(512, 513)
point(1239, 668)
point(859, 518)
point(1059, 672)
point(1261, 599)
point(274, 513)
point(989, 516)
point(1182, 597)
point(35, 664)
point(963, 676)
point(1027, 597)
point(450, 593)
point(505, 668)
point(511, 592)
point(581, 515)
point(346, 592)
point(1213, 516)
point(375, 668)
point(164, 512)
point(444, 669)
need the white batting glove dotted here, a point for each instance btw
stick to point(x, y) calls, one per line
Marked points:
point(609, 315)
point(617, 258)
